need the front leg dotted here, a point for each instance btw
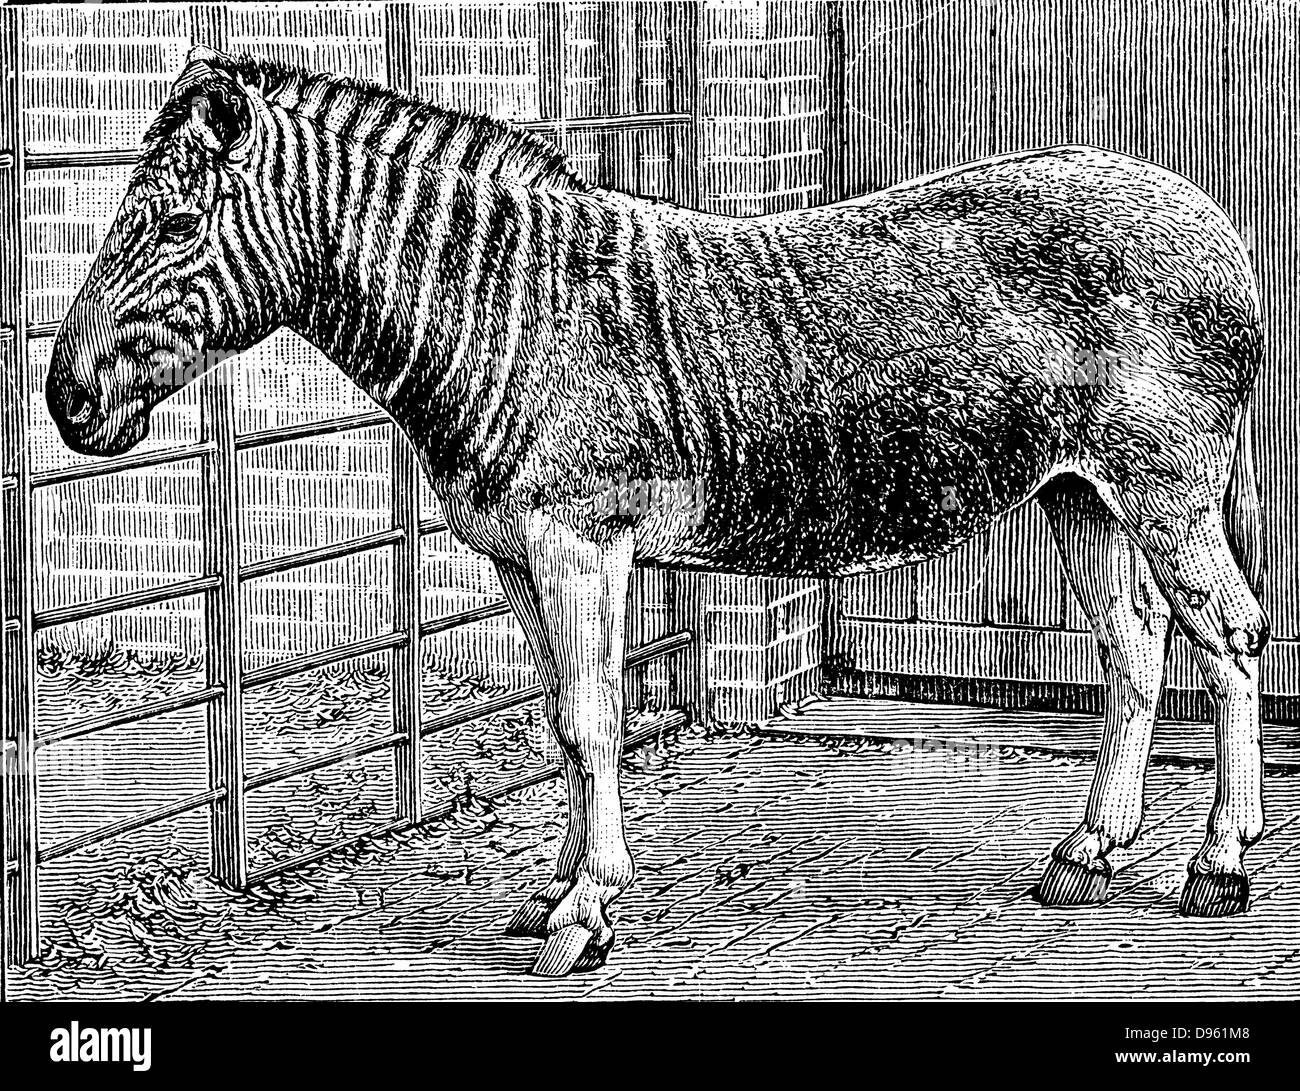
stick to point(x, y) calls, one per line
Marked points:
point(531, 917)
point(581, 582)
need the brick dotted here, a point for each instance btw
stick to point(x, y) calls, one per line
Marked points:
point(798, 613)
point(482, 22)
point(760, 59)
point(733, 664)
point(507, 60)
point(761, 97)
point(435, 23)
point(520, 21)
point(733, 20)
point(792, 19)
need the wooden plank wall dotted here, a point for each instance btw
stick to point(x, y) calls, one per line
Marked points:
point(1204, 87)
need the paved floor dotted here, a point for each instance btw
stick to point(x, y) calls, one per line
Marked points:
point(768, 867)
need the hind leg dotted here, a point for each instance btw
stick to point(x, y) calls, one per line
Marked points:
point(1131, 623)
point(1217, 885)
point(1228, 630)
point(1182, 534)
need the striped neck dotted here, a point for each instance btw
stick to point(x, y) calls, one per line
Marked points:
point(422, 233)
point(441, 274)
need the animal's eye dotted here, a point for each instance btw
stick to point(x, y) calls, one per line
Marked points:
point(180, 225)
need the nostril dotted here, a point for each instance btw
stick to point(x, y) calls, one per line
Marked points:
point(77, 408)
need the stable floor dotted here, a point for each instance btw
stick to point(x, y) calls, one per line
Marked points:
point(769, 866)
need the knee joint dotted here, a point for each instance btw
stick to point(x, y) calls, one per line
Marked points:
point(1248, 636)
point(585, 715)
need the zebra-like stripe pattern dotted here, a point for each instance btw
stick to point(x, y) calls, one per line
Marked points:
point(460, 245)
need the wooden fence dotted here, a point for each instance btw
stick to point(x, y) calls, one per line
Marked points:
point(217, 452)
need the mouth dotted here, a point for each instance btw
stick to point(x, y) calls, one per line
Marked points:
point(105, 378)
point(116, 434)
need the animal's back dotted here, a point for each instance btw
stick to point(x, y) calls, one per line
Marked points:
point(870, 383)
point(1063, 234)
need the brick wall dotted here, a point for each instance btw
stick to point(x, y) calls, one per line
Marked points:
point(763, 110)
point(96, 77)
point(763, 105)
point(481, 59)
point(762, 643)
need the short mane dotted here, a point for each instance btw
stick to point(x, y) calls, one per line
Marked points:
point(340, 100)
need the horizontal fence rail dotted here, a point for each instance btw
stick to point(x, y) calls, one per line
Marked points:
point(322, 761)
point(129, 715)
point(326, 658)
point(463, 617)
point(524, 780)
point(637, 657)
point(120, 465)
point(94, 157)
point(278, 868)
point(131, 600)
point(127, 157)
point(130, 825)
point(289, 433)
point(271, 566)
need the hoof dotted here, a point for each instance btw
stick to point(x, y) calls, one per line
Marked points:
point(1067, 883)
point(573, 948)
point(531, 917)
point(1214, 895)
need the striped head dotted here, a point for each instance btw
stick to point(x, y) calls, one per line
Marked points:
point(177, 282)
point(270, 196)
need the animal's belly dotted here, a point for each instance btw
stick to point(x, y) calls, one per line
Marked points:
point(779, 540)
point(873, 495)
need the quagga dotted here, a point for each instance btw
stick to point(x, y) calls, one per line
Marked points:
point(844, 388)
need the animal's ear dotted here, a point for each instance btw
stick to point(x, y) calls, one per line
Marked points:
point(219, 106)
point(221, 114)
point(201, 64)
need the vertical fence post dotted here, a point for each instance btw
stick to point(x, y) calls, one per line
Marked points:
point(684, 590)
point(223, 615)
point(619, 26)
point(834, 188)
point(223, 628)
point(550, 62)
point(399, 45)
point(406, 620)
point(635, 634)
point(18, 830)
point(688, 684)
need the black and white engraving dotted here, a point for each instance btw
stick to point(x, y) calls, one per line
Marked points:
point(689, 499)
